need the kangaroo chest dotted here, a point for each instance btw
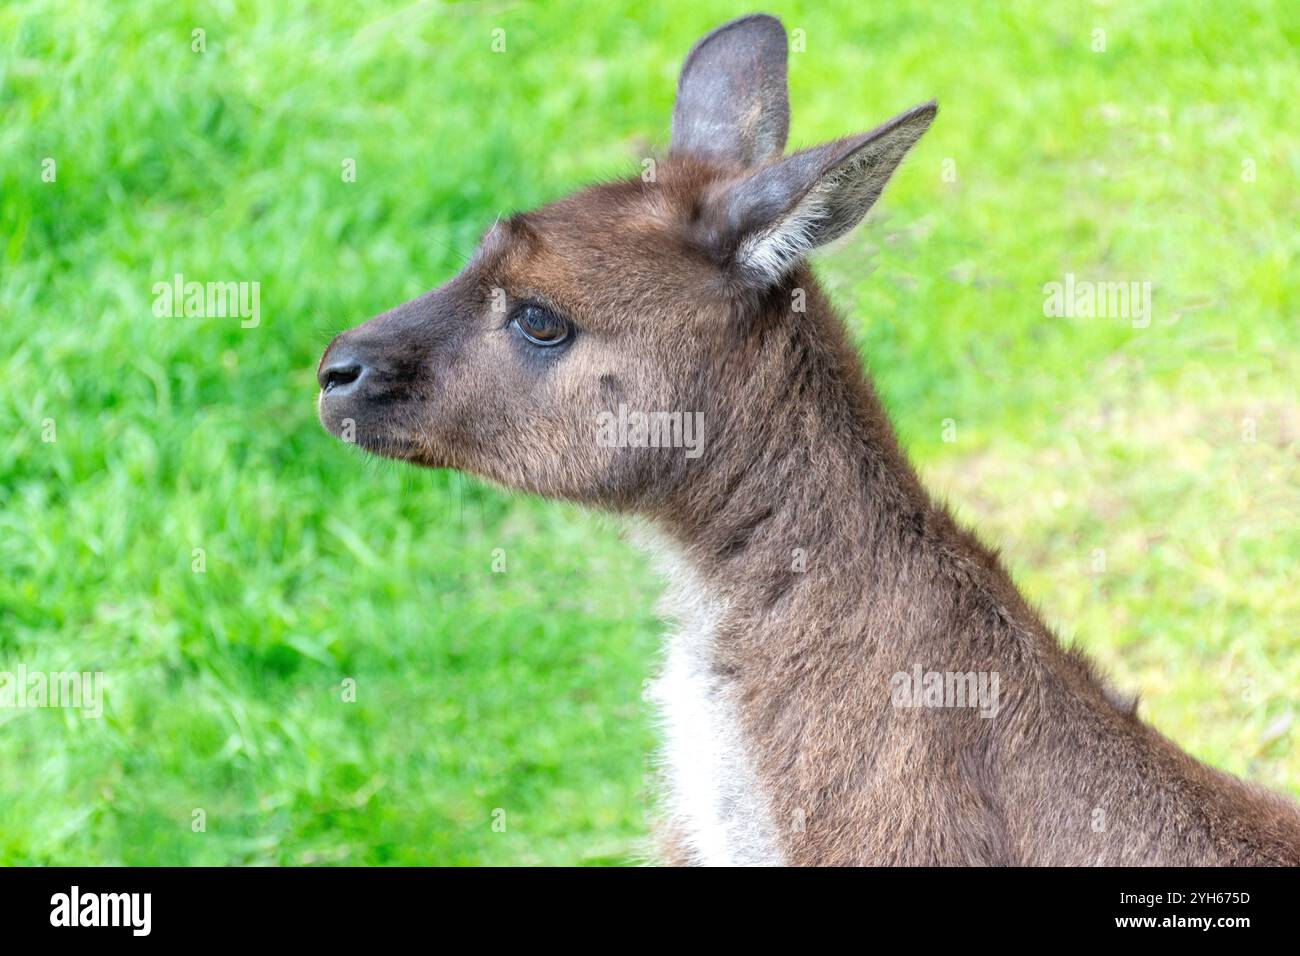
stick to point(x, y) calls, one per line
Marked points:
point(715, 802)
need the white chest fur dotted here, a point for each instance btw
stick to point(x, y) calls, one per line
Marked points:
point(715, 804)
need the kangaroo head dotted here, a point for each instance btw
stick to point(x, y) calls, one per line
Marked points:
point(671, 293)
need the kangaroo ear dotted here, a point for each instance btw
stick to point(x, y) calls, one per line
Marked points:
point(771, 219)
point(732, 99)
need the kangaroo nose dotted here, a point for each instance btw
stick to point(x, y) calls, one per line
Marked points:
point(339, 374)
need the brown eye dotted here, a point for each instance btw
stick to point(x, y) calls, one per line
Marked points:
point(541, 326)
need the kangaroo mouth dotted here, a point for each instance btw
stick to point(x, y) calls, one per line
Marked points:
point(354, 420)
point(349, 418)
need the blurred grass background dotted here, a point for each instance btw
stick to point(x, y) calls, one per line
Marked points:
point(1172, 156)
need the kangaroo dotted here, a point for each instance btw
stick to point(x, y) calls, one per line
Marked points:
point(853, 678)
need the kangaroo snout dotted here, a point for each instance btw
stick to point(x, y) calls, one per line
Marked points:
point(359, 383)
point(380, 381)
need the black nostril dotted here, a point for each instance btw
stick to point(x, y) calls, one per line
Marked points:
point(340, 372)
point(342, 367)
point(337, 376)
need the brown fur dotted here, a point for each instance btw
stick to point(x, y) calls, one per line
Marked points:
point(799, 455)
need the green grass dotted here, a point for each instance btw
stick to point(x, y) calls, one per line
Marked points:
point(479, 692)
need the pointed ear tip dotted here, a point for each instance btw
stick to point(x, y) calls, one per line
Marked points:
point(918, 117)
point(764, 22)
point(768, 20)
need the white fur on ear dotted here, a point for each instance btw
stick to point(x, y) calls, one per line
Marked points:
point(824, 192)
point(772, 252)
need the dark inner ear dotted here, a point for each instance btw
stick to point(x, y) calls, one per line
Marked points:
point(732, 98)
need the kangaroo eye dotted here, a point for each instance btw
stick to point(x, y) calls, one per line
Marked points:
point(541, 326)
